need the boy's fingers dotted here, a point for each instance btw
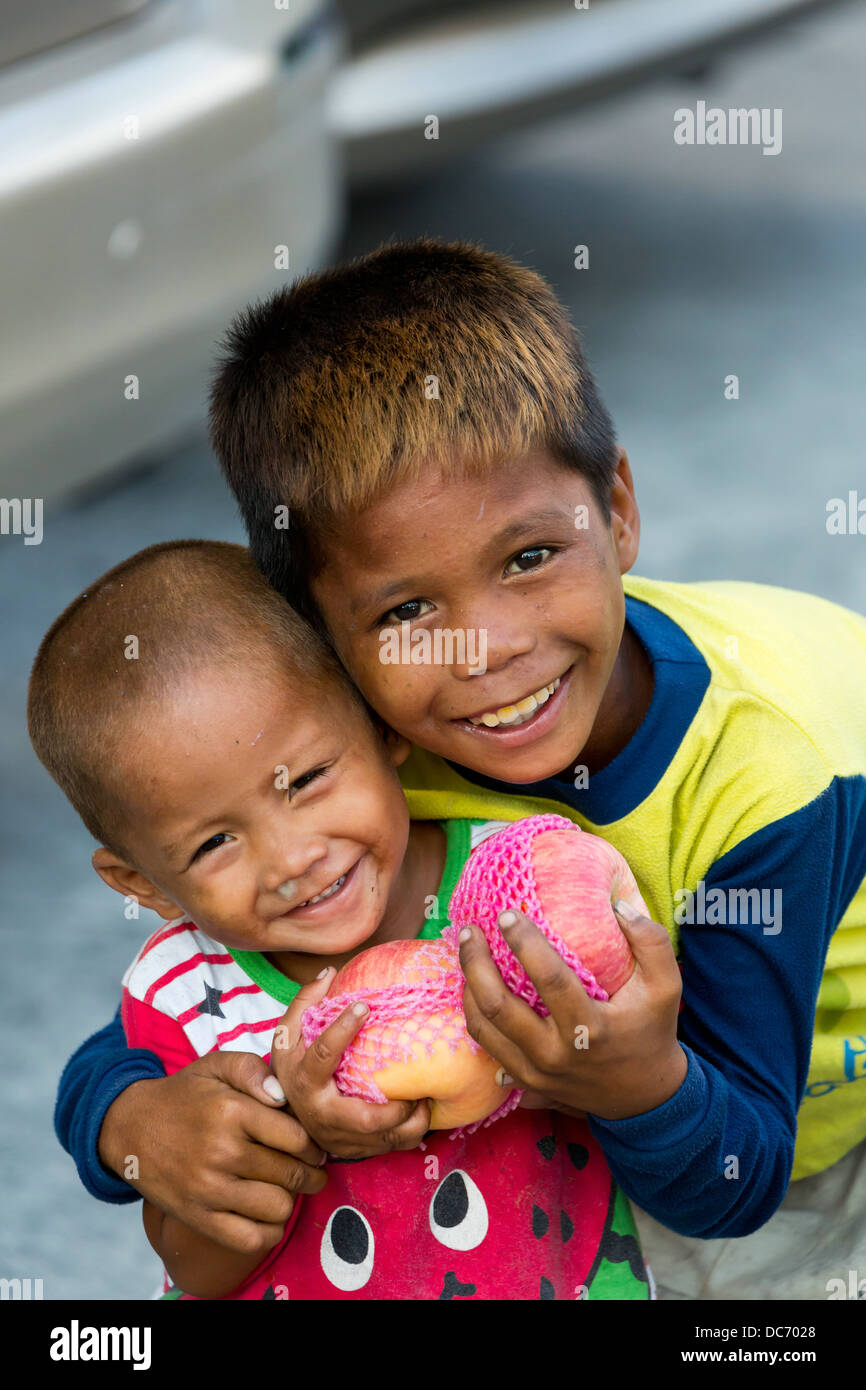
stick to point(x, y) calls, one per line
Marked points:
point(410, 1133)
point(269, 1203)
point(282, 1133)
point(558, 986)
point(287, 1033)
point(267, 1165)
point(649, 942)
point(323, 1056)
point(505, 1026)
point(245, 1072)
point(374, 1121)
point(236, 1232)
point(536, 1100)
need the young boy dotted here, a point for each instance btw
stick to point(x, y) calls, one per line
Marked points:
point(417, 447)
point(238, 787)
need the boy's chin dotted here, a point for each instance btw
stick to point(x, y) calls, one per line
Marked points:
point(522, 765)
point(508, 770)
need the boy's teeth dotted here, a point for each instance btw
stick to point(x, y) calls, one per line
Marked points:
point(327, 893)
point(519, 713)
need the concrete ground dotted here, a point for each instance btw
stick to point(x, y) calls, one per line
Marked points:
point(703, 262)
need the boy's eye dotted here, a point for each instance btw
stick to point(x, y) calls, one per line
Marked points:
point(529, 559)
point(406, 612)
point(305, 779)
point(214, 842)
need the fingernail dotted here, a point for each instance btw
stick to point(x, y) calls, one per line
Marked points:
point(274, 1089)
point(359, 1009)
point(323, 1160)
point(503, 1079)
point(624, 909)
point(507, 919)
point(465, 935)
point(322, 973)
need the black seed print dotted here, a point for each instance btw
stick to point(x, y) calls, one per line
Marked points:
point(566, 1226)
point(268, 1293)
point(451, 1202)
point(578, 1155)
point(547, 1146)
point(546, 1290)
point(624, 1249)
point(349, 1236)
point(452, 1288)
point(540, 1223)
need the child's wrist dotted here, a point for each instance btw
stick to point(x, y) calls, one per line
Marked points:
point(666, 1078)
point(121, 1124)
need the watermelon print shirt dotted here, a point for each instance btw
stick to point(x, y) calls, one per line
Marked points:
point(525, 1208)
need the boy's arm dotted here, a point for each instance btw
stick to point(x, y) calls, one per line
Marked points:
point(99, 1071)
point(200, 1266)
point(707, 1151)
point(212, 1145)
point(715, 1159)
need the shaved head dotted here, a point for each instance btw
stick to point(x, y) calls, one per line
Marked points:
point(171, 612)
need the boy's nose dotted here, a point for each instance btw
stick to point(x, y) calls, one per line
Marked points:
point(289, 864)
point(489, 649)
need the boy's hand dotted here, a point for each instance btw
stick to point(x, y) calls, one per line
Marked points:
point(612, 1059)
point(342, 1125)
point(213, 1149)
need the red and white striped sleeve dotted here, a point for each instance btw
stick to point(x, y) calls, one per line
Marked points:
point(145, 1026)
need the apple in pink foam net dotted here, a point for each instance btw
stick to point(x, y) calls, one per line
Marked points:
point(566, 881)
point(414, 1043)
point(577, 879)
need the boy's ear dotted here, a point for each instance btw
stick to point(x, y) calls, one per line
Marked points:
point(130, 883)
point(398, 746)
point(624, 514)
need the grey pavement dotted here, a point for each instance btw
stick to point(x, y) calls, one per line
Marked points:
point(703, 262)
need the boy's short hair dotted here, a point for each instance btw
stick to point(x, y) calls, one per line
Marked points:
point(149, 622)
point(349, 381)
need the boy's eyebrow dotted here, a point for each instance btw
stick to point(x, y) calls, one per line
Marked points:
point(177, 848)
point(547, 516)
point(301, 758)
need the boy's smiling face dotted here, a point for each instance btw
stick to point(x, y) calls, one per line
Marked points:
point(520, 557)
point(217, 827)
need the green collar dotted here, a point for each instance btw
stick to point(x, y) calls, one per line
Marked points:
point(458, 833)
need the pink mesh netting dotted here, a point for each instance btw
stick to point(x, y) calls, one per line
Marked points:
point(425, 1007)
point(498, 875)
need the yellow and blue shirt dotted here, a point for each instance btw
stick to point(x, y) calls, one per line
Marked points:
point(740, 804)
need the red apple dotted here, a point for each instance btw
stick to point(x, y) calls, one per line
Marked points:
point(565, 880)
point(578, 878)
point(414, 1043)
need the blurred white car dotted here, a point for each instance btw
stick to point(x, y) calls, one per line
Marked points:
point(163, 162)
point(166, 161)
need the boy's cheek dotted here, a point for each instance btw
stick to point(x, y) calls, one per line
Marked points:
point(398, 693)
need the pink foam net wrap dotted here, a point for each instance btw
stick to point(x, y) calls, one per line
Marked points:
point(401, 1016)
point(498, 875)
